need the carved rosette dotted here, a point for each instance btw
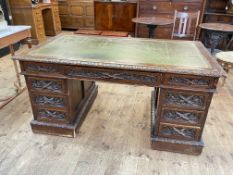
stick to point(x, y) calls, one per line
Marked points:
point(52, 86)
point(51, 114)
point(184, 99)
point(188, 81)
point(51, 101)
point(41, 68)
point(184, 117)
point(179, 132)
point(115, 76)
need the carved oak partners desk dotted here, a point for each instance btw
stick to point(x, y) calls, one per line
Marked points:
point(60, 77)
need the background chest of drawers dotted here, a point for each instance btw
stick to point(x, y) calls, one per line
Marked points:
point(43, 17)
point(165, 8)
point(76, 14)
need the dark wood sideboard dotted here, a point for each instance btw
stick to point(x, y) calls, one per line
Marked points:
point(165, 8)
point(116, 16)
point(215, 11)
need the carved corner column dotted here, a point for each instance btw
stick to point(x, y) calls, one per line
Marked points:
point(179, 114)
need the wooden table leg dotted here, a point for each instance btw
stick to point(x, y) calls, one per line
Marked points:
point(19, 84)
point(151, 30)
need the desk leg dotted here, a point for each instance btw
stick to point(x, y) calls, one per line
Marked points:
point(19, 84)
point(178, 119)
point(151, 29)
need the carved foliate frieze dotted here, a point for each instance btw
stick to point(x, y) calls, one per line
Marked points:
point(115, 76)
point(52, 86)
point(179, 132)
point(188, 81)
point(51, 114)
point(51, 101)
point(180, 116)
point(42, 68)
point(184, 99)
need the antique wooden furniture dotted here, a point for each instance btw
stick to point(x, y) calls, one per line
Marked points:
point(216, 33)
point(165, 8)
point(76, 14)
point(8, 37)
point(183, 83)
point(225, 59)
point(216, 11)
point(185, 21)
point(43, 17)
point(115, 15)
point(152, 23)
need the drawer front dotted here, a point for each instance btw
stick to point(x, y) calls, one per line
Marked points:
point(40, 68)
point(45, 100)
point(186, 99)
point(151, 79)
point(46, 85)
point(77, 10)
point(52, 116)
point(179, 132)
point(155, 7)
point(185, 117)
point(186, 7)
point(188, 81)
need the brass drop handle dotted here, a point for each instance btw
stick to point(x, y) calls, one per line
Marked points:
point(154, 7)
point(186, 8)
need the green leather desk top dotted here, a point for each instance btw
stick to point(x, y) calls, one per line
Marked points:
point(92, 50)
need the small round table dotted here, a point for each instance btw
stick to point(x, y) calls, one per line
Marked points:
point(216, 33)
point(152, 23)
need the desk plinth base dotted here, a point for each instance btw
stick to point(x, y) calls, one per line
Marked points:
point(67, 130)
point(171, 145)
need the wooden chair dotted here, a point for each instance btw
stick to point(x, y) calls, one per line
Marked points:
point(185, 23)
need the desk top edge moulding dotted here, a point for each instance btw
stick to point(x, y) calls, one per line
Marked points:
point(62, 89)
point(159, 59)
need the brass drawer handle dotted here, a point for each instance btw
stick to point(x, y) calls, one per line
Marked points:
point(154, 7)
point(186, 8)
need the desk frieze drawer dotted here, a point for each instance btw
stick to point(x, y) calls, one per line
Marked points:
point(186, 117)
point(179, 132)
point(141, 78)
point(49, 101)
point(186, 99)
point(189, 81)
point(51, 115)
point(46, 85)
point(41, 68)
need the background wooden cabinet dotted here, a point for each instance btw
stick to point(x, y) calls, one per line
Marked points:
point(116, 16)
point(76, 14)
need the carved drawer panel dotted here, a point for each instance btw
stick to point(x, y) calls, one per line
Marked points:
point(179, 132)
point(155, 7)
point(48, 115)
point(41, 68)
point(186, 7)
point(189, 81)
point(187, 117)
point(45, 100)
point(46, 85)
point(186, 99)
point(150, 79)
